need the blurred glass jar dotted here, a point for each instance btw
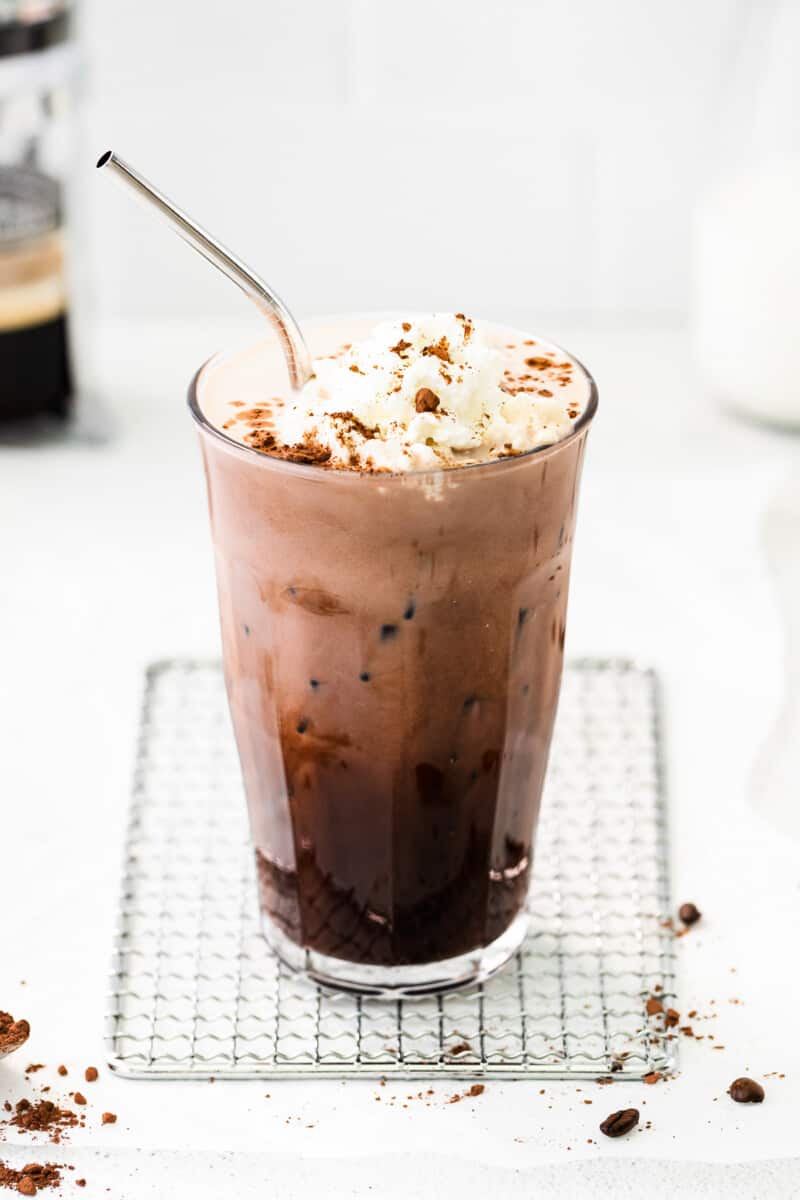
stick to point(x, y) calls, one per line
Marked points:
point(38, 92)
point(747, 249)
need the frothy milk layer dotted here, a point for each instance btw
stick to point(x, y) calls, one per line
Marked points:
point(415, 393)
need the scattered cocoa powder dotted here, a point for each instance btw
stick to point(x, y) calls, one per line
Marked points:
point(32, 1068)
point(653, 1006)
point(31, 1177)
point(652, 1077)
point(62, 1070)
point(109, 1118)
point(37, 1176)
point(90, 1074)
point(671, 1018)
point(43, 1117)
point(79, 1097)
point(477, 1089)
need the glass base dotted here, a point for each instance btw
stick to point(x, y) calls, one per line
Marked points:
point(394, 983)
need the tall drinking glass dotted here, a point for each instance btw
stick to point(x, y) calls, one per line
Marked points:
point(393, 648)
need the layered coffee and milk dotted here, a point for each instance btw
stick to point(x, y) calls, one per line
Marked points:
point(393, 548)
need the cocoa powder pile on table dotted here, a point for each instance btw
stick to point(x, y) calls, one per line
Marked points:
point(30, 1179)
point(42, 1116)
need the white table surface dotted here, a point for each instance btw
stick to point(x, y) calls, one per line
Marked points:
point(105, 564)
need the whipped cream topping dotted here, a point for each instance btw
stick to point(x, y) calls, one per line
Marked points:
point(431, 391)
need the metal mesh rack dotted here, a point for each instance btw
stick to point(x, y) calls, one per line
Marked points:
point(196, 991)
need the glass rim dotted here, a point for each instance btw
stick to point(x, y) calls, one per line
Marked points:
point(316, 472)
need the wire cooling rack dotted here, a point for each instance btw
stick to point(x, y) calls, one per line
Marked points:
point(196, 991)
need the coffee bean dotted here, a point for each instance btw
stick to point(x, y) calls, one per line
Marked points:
point(620, 1123)
point(689, 913)
point(746, 1091)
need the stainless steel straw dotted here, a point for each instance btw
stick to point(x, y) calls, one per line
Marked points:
point(298, 358)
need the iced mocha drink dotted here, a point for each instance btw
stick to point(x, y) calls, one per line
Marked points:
point(393, 550)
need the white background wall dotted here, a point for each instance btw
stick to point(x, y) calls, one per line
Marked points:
point(501, 156)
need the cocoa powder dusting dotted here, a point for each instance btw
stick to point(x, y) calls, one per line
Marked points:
point(466, 325)
point(440, 349)
point(353, 424)
point(308, 451)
